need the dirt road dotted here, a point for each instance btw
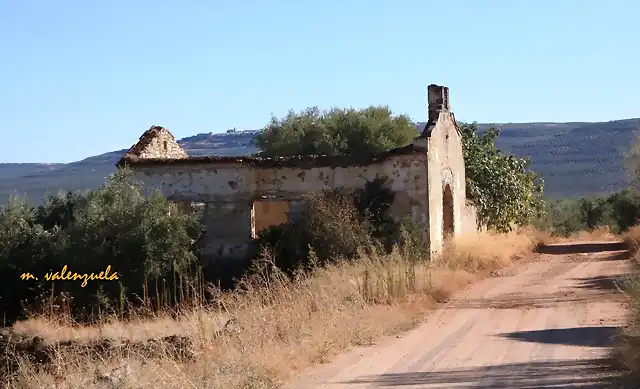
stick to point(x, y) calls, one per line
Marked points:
point(542, 324)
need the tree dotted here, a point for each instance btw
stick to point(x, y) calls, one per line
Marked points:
point(357, 132)
point(499, 184)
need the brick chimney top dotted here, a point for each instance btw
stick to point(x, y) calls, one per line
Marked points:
point(438, 97)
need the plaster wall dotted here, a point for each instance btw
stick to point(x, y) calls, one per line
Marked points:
point(235, 189)
point(470, 220)
point(230, 190)
point(445, 167)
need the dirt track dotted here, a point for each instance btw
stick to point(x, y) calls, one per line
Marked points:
point(542, 324)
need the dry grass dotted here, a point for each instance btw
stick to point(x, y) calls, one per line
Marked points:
point(627, 350)
point(632, 239)
point(279, 326)
point(599, 234)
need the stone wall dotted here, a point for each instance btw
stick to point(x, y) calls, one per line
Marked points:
point(157, 143)
point(230, 190)
point(427, 177)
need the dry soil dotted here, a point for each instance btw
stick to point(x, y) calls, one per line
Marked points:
point(547, 323)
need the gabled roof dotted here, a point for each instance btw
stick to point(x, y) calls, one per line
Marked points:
point(145, 140)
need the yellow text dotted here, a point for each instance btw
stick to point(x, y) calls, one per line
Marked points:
point(65, 275)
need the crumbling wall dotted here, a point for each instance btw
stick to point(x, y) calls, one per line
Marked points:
point(420, 175)
point(229, 188)
point(157, 142)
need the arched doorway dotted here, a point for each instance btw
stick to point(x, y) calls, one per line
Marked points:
point(447, 212)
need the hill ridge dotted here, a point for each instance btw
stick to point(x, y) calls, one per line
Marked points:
point(574, 158)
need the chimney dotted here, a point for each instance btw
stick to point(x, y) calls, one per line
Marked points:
point(438, 97)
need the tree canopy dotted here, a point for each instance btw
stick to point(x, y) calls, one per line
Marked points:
point(502, 187)
point(337, 131)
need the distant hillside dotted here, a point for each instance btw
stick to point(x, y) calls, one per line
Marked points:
point(575, 159)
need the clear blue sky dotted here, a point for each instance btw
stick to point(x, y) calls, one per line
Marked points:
point(79, 78)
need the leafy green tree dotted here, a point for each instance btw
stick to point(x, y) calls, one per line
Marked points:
point(499, 184)
point(358, 132)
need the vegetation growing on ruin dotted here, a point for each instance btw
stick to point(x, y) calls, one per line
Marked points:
point(260, 334)
point(341, 227)
point(338, 131)
point(504, 190)
point(363, 277)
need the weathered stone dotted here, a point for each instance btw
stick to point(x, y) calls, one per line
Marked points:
point(428, 177)
point(157, 143)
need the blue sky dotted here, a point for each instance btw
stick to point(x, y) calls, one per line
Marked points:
point(79, 78)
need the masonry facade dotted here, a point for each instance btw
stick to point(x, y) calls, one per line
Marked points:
point(243, 195)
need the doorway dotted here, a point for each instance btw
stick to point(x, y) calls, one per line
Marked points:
point(447, 212)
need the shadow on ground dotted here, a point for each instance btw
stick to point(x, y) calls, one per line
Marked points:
point(576, 336)
point(567, 374)
point(586, 247)
point(602, 283)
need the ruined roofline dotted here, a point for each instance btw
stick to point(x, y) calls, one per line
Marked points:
point(299, 161)
point(438, 102)
point(145, 139)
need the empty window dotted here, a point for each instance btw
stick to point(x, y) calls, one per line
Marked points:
point(164, 144)
point(267, 214)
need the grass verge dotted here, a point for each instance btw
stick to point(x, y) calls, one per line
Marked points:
point(599, 234)
point(270, 330)
point(627, 350)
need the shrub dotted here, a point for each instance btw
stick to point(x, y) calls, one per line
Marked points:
point(338, 226)
point(627, 350)
point(330, 226)
point(144, 239)
point(618, 212)
point(337, 131)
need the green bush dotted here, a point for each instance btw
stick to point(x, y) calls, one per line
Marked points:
point(337, 226)
point(337, 131)
point(330, 225)
point(618, 212)
point(142, 238)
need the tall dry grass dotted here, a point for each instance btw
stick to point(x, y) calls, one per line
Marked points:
point(627, 350)
point(632, 239)
point(276, 326)
point(598, 234)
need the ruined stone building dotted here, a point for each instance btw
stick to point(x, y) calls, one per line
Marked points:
point(243, 195)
